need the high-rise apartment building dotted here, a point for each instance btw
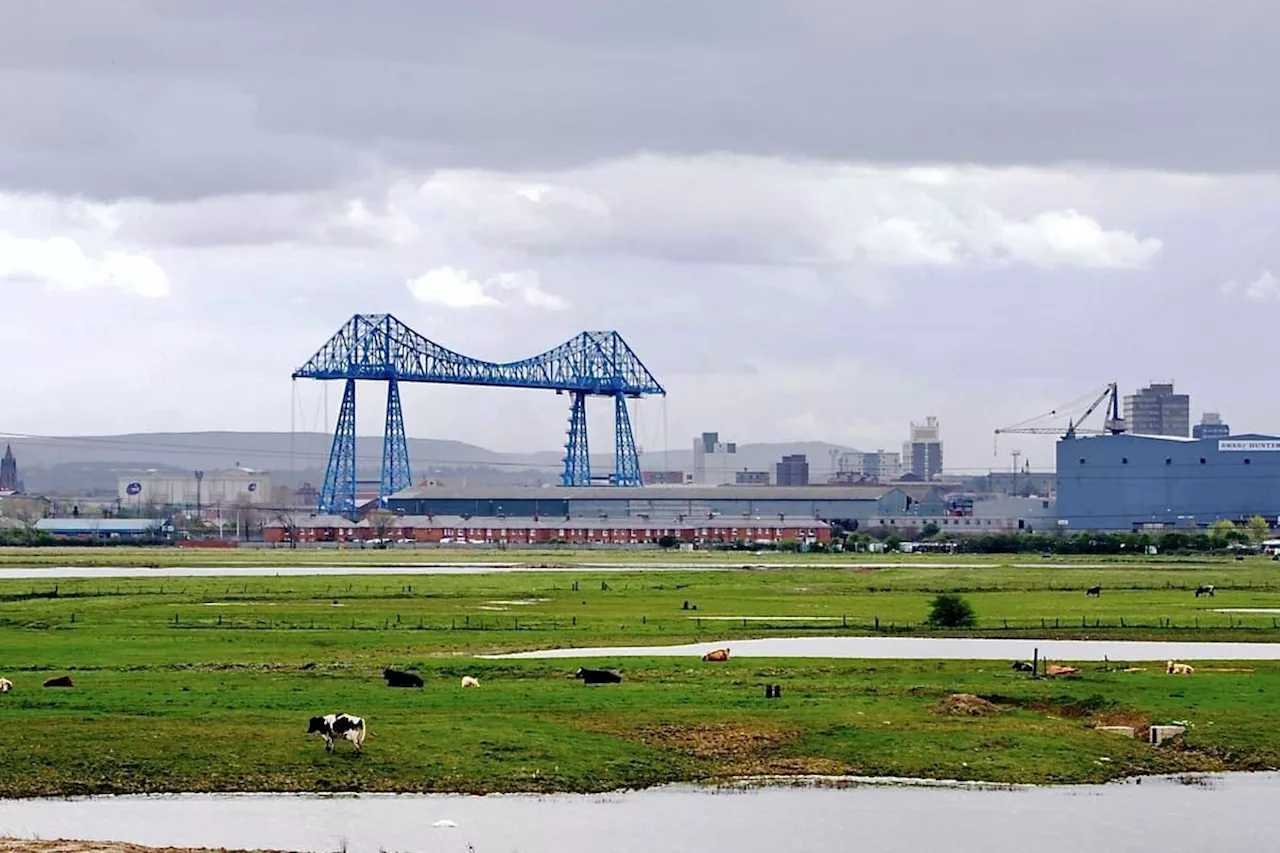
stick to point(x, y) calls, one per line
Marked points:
point(1156, 410)
point(922, 455)
point(793, 470)
point(1210, 426)
point(880, 465)
point(715, 463)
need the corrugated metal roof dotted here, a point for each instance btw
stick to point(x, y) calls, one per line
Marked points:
point(401, 522)
point(663, 493)
point(98, 525)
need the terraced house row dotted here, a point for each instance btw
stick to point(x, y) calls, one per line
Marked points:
point(446, 530)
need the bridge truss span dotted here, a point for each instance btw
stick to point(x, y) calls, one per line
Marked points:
point(380, 348)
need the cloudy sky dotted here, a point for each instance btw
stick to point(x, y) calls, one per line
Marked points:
point(813, 219)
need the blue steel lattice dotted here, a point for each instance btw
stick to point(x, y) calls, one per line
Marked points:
point(379, 347)
point(338, 495)
point(626, 460)
point(577, 457)
point(395, 448)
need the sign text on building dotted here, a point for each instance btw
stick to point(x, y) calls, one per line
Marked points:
point(1226, 444)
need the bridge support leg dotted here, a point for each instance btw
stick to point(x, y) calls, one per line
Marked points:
point(577, 459)
point(338, 495)
point(395, 448)
point(626, 461)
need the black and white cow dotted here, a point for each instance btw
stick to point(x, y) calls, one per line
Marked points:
point(344, 726)
point(1204, 589)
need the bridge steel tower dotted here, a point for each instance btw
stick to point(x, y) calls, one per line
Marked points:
point(378, 347)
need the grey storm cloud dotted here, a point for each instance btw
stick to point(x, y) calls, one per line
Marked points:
point(178, 99)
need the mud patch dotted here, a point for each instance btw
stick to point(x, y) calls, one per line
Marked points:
point(1093, 710)
point(967, 705)
point(22, 845)
point(726, 741)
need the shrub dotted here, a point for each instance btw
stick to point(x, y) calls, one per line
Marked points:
point(951, 611)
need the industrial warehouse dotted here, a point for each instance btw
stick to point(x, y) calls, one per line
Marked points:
point(1135, 482)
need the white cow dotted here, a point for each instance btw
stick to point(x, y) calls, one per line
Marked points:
point(5, 685)
point(468, 681)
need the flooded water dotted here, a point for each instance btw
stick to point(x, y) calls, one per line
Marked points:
point(932, 648)
point(467, 568)
point(67, 572)
point(1235, 813)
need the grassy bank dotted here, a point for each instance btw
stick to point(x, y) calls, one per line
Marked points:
point(205, 684)
point(154, 557)
point(112, 622)
point(528, 728)
point(24, 845)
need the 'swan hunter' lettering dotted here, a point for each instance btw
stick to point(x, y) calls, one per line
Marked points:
point(1226, 444)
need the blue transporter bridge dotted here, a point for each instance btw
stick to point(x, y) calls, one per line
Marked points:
point(378, 347)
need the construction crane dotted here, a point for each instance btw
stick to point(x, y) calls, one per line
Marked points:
point(1114, 424)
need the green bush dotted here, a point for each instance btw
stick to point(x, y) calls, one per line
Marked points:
point(951, 611)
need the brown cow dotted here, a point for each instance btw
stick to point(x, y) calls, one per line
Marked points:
point(1054, 670)
point(717, 656)
point(59, 681)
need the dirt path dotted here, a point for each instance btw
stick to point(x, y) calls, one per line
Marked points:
point(18, 845)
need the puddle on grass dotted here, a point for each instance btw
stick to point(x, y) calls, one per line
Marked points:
point(769, 618)
point(369, 569)
point(1237, 811)
point(932, 648)
point(1274, 611)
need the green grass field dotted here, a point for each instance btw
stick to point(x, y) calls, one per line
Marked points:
point(198, 684)
point(123, 556)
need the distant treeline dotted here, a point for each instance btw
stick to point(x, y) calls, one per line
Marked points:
point(24, 536)
point(1092, 543)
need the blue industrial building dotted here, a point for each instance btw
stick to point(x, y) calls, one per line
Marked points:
point(1135, 482)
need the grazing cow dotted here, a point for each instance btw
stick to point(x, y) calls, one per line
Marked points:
point(1095, 591)
point(1204, 589)
point(343, 726)
point(1023, 666)
point(395, 678)
point(716, 656)
point(59, 681)
point(597, 676)
point(5, 685)
point(468, 681)
point(1179, 668)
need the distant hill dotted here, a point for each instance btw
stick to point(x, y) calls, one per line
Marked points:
point(93, 463)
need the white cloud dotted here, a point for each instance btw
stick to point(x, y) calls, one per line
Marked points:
point(1264, 288)
point(1069, 238)
point(60, 263)
point(749, 210)
point(455, 288)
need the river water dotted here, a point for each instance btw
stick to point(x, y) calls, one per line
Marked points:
point(460, 568)
point(931, 648)
point(54, 573)
point(1229, 812)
